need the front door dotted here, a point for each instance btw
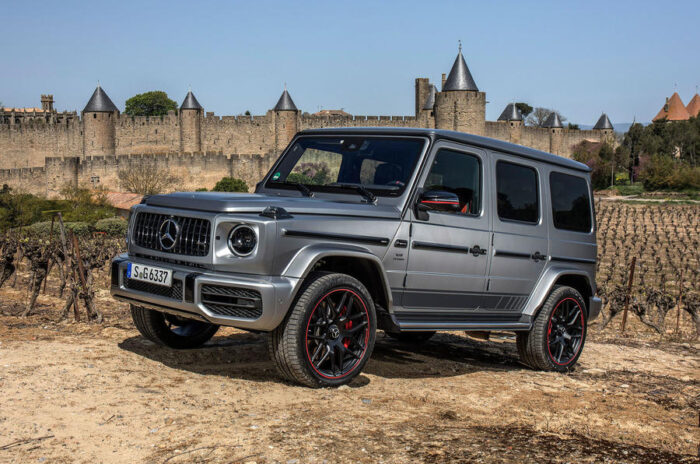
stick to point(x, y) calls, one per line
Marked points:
point(520, 234)
point(448, 259)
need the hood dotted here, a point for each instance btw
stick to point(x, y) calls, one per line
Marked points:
point(223, 202)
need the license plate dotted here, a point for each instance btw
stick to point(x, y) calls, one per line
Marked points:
point(154, 275)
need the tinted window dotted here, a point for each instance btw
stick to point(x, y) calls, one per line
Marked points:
point(571, 202)
point(460, 174)
point(517, 192)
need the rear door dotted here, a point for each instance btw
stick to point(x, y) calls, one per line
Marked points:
point(520, 231)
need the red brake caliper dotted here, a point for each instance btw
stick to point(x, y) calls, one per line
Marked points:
point(348, 325)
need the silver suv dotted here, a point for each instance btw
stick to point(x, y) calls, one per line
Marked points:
point(408, 231)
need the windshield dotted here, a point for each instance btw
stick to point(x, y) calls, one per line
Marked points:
point(382, 165)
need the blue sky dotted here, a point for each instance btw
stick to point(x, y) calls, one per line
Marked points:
point(615, 56)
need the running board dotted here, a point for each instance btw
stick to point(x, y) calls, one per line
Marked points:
point(438, 320)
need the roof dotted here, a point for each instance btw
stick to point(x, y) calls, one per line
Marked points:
point(693, 107)
point(190, 102)
point(100, 102)
point(673, 110)
point(25, 110)
point(461, 137)
point(122, 200)
point(603, 123)
point(459, 78)
point(430, 101)
point(332, 113)
point(511, 113)
point(285, 103)
point(552, 121)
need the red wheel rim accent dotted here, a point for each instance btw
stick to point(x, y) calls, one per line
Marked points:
point(347, 348)
point(565, 332)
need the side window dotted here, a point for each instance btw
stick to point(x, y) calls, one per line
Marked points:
point(517, 192)
point(459, 173)
point(571, 202)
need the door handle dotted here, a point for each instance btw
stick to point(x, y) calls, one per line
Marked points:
point(537, 256)
point(476, 250)
point(401, 243)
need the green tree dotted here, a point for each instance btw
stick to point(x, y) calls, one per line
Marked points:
point(573, 126)
point(524, 108)
point(154, 103)
point(230, 184)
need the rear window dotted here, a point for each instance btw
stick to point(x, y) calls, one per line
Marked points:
point(517, 193)
point(571, 202)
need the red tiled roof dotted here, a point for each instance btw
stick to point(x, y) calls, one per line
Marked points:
point(122, 200)
point(673, 110)
point(693, 107)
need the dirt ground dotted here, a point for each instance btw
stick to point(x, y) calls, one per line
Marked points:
point(78, 392)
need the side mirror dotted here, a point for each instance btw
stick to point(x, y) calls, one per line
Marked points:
point(437, 200)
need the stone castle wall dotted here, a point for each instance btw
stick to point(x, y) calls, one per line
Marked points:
point(193, 170)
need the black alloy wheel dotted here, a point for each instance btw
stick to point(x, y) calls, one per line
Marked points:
point(337, 333)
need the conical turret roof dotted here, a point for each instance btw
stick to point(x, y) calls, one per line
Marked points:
point(285, 103)
point(603, 123)
point(511, 113)
point(430, 101)
point(673, 110)
point(693, 107)
point(553, 121)
point(460, 78)
point(100, 102)
point(190, 102)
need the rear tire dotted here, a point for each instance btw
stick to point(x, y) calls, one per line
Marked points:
point(329, 333)
point(172, 331)
point(411, 338)
point(558, 334)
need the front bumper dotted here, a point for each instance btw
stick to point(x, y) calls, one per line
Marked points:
point(595, 304)
point(276, 294)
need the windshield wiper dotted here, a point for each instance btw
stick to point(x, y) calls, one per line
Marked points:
point(369, 196)
point(302, 188)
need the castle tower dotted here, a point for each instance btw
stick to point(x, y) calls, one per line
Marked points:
point(47, 102)
point(460, 106)
point(286, 120)
point(191, 124)
point(422, 90)
point(605, 127)
point(554, 125)
point(512, 116)
point(693, 107)
point(99, 125)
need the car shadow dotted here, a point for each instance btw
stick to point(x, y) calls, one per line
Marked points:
point(245, 356)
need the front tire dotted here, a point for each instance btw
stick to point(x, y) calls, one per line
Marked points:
point(557, 337)
point(172, 331)
point(328, 335)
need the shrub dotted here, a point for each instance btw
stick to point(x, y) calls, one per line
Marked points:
point(230, 184)
point(112, 226)
point(44, 228)
point(660, 172)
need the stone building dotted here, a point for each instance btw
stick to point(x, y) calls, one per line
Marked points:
point(194, 140)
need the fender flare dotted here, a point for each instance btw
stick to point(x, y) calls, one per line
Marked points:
point(546, 283)
point(306, 258)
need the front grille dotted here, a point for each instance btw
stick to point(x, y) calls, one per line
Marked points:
point(178, 262)
point(174, 292)
point(192, 240)
point(231, 301)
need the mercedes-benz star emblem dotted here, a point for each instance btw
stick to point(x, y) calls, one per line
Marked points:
point(333, 331)
point(167, 234)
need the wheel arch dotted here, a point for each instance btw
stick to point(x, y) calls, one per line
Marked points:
point(357, 262)
point(575, 278)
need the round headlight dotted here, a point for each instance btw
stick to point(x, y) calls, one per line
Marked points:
point(242, 240)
